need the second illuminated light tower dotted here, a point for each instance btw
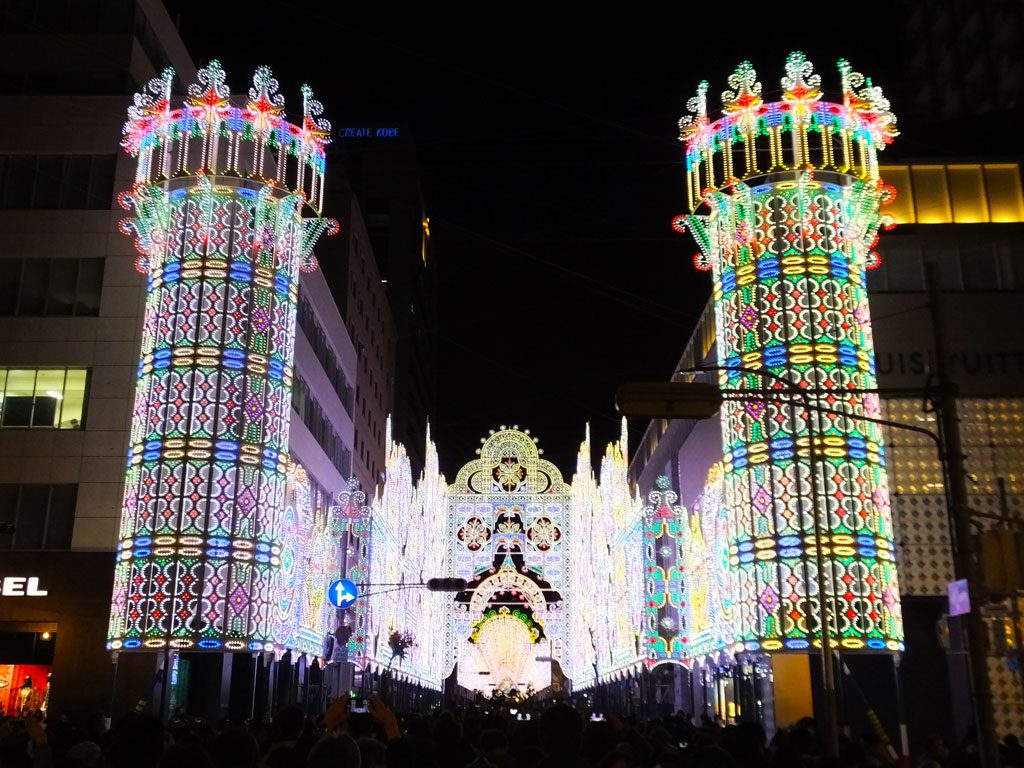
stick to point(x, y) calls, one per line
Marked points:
point(785, 199)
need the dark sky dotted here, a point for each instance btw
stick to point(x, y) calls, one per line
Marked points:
point(550, 166)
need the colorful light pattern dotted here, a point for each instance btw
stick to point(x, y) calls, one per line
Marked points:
point(606, 566)
point(507, 517)
point(406, 547)
point(210, 557)
point(788, 244)
point(708, 610)
point(665, 533)
point(350, 523)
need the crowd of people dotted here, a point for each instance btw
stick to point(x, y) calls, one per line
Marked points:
point(470, 737)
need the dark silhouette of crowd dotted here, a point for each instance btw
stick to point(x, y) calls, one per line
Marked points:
point(555, 735)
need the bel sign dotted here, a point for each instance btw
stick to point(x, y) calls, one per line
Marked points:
point(21, 586)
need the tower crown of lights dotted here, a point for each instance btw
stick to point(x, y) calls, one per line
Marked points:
point(799, 132)
point(210, 132)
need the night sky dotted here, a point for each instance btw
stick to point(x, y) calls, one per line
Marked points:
point(551, 171)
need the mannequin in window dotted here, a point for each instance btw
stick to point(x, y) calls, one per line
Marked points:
point(28, 698)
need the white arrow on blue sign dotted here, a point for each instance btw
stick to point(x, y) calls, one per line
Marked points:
point(342, 593)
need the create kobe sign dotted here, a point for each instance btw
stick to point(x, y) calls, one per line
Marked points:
point(21, 586)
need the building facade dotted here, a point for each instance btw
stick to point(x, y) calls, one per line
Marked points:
point(73, 326)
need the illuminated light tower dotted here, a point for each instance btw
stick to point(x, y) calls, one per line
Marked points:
point(784, 199)
point(219, 195)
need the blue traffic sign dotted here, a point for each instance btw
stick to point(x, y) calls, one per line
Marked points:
point(342, 593)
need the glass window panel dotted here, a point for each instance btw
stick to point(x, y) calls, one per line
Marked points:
point(876, 278)
point(61, 521)
point(33, 287)
point(49, 394)
point(31, 516)
point(60, 296)
point(74, 399)
point(75, 182)
point(19, 174)
point(1005, 200)
point(18, 397)
point(902, 208)
point(903, 270)
point(90, 287)
point(101, 181)
point(10, 278)
point(947, 256)
point(931, 195)
point(981, 268)
point(967, 190)
point(8, 513)
point(46, 189)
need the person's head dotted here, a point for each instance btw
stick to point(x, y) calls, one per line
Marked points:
point(447, 729)
point(235, 748)
point(561, 730)
point(287, 724)
point(137, 742)
point(87, 753)
point(372, 753)
point(750, 737)
point(1011, 741)
point(334, 751)
point(493, 742)
point(936, 746)
point(190, 755)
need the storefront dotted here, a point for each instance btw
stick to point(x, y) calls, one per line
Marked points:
point(53, 623)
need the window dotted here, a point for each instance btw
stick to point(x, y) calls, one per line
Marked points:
point(42, 516)
point(48, 182)
point(320, 427)
point(52, 398)
point(50, 287)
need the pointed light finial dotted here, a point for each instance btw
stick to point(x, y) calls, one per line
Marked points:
point(697, 106)
point(800, 82)
point(744, 88)
point(212, 89)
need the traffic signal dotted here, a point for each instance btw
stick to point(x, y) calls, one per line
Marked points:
point(446, 585)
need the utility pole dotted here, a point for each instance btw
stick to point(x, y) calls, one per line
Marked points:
point(967, 565)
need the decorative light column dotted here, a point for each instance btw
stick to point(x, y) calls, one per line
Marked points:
point(784, 200)
point(665, 529)
point(219, 196)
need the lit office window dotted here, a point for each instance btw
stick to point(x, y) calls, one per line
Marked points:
point(955, 194)
point(1004, 192)
point(931, 194)
point(967, 189)
point(51, 398)
point(902, 208)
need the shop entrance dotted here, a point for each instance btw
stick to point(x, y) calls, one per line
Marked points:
point(26, 664)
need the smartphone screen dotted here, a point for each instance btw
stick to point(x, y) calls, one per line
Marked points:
point(360, 705)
